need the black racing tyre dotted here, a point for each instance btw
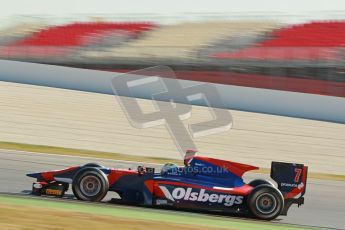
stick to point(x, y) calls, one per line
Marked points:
point(257, 182)
point(90, 184)
point(92, 165)
point(265, 202)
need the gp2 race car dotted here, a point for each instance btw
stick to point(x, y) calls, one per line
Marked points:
point(204, 184)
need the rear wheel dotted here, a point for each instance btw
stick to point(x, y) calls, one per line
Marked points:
point(257, 182)
point(265, 202)
point(90, 184)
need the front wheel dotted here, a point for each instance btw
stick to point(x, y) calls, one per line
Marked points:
point(265, 202)
point(90, 184)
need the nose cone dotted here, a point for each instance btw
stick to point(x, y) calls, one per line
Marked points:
point(33, 175)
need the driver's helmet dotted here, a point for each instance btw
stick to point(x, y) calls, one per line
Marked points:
point(169, 167)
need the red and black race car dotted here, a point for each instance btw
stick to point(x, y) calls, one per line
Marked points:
point(203, 183)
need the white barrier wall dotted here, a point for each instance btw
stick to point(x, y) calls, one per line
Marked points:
point(283, 103)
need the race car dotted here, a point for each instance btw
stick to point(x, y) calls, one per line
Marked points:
point(203, 183)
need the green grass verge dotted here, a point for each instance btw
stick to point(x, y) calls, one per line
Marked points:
point(118, 156)
point(148, 214)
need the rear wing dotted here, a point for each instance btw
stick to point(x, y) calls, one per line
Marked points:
point(292, 181)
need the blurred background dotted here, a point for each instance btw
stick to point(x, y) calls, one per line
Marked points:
point(296, 46)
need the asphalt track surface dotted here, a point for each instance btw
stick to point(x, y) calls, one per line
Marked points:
point(324, 200)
